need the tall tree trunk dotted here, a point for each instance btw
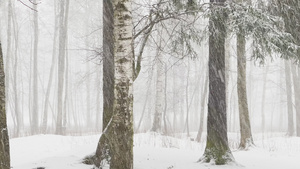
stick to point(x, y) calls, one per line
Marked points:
point(87, 80)
point(98, 122)
point(245, 127)
point(4, 139)
point(296, 80)
point(298, 105)
point(288, 87)
point(217, 148)
point(156, 127)
point(35, 122)
point(103, 148)
point(227, 77)
point(18, 115)
point(53, 63)
point(263, 100)
point(119, 131)
point(108, 62)
point(8, 53)
point(63, 22)
point(175, 98)
point(166, 101)
point(203, 101)
point(187, 100)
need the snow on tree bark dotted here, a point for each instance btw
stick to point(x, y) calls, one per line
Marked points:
point(217, 149)
point(4, 139)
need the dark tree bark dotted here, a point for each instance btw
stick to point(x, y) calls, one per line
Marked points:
point(108, 62)
point(4, 139)
point(102, 151)
point(217, 148)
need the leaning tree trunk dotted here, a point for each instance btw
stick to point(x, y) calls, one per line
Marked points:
point(245, 127)
point(217, 148)
point(289, 98)
point(4, 139)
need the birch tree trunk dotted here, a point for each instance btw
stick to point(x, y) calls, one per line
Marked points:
point(288, 87)
point(217, 148)
point(245, 127)
point(119, 131)
point(4, 139)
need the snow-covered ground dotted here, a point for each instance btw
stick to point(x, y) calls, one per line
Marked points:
point(152, 151)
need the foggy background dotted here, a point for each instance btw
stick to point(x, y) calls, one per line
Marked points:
point(184, 77)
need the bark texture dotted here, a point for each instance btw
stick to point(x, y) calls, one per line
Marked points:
point(102, 151)
point(245, 126)
point(119, 130)
point(4, 139)
point(217, 148)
